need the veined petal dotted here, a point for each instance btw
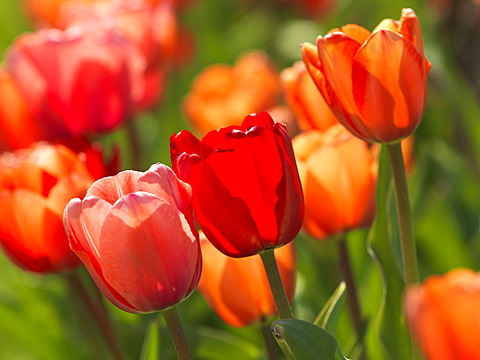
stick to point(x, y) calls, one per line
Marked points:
point(391, 99)
point(150, 239)
point(336, 52)
point(356, 32)
point(411, 30)
point(112, 188)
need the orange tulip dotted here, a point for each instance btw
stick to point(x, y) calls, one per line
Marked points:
point(444, 317)
point(302, 96)
point(221, 95)
point(35, 185)
point(374, 82)
point(15, 117)
point(237, 289)
point(338, 173)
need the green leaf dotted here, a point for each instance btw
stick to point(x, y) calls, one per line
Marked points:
point(390, 320)
point(301, 340)
point(332, 309)
point(150, 348)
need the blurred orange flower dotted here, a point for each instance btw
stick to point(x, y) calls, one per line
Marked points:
point(221, 95)
point(339, 175)
point(35, 186)
point(16, 117)
point(237, 289)
point(44, 13)
point(307, 103)
point(444, 316)
point(374, 82)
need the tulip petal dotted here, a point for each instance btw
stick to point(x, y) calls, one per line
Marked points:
point(336, 53)
point(112, 188)
point(390, 98)
point(211, 195)
point(248, 164)
point(146, 238)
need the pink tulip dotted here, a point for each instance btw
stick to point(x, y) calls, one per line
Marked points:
point(135, 234)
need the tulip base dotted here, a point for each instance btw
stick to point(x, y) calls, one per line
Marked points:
point(278, 291)
point(176, 332)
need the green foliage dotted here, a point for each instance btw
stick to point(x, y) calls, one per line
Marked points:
point(302, 340)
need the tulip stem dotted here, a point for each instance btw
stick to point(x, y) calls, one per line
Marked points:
point(276, 286)
point(270, 343)
point(407, 239)
point(347, 274)
point(176, 332)
point(97, 312)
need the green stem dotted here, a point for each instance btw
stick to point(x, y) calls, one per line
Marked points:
point(347, 274)
point(270, 343)
point(98, 314)
point(176, 332)
point(276, 286)
point(407, 239)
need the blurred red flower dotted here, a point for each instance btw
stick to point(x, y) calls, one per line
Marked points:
point(35, 185)
point(374, 82)
point(135, 234)
point(76, 82)
point(16, 117)
point(247, 193)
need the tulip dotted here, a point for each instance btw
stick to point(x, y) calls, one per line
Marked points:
point(238, 289)
point(135, 234)
point(443, 314)
point(221, 95)
point(247, 193)
point(15, 117)
point(374, 82)
point(339, 176)
point(303, 98)
point(78, 81)
point(153, 30)
point(35, 185)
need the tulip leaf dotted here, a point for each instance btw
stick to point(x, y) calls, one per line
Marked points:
point(392, 329)
point(151, 348)
point(330, 312)
point(301, 340)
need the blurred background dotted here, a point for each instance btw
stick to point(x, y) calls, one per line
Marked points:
point(36, 318)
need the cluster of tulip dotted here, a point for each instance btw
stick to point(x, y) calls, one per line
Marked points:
point(93, 66)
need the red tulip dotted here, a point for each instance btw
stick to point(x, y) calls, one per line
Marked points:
point(135, 234)
point(153, 30)
point(238, 289)
point(78, 81)
point(247, 193)
point(374, 82)
point(35, 185)
point(443, 314)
